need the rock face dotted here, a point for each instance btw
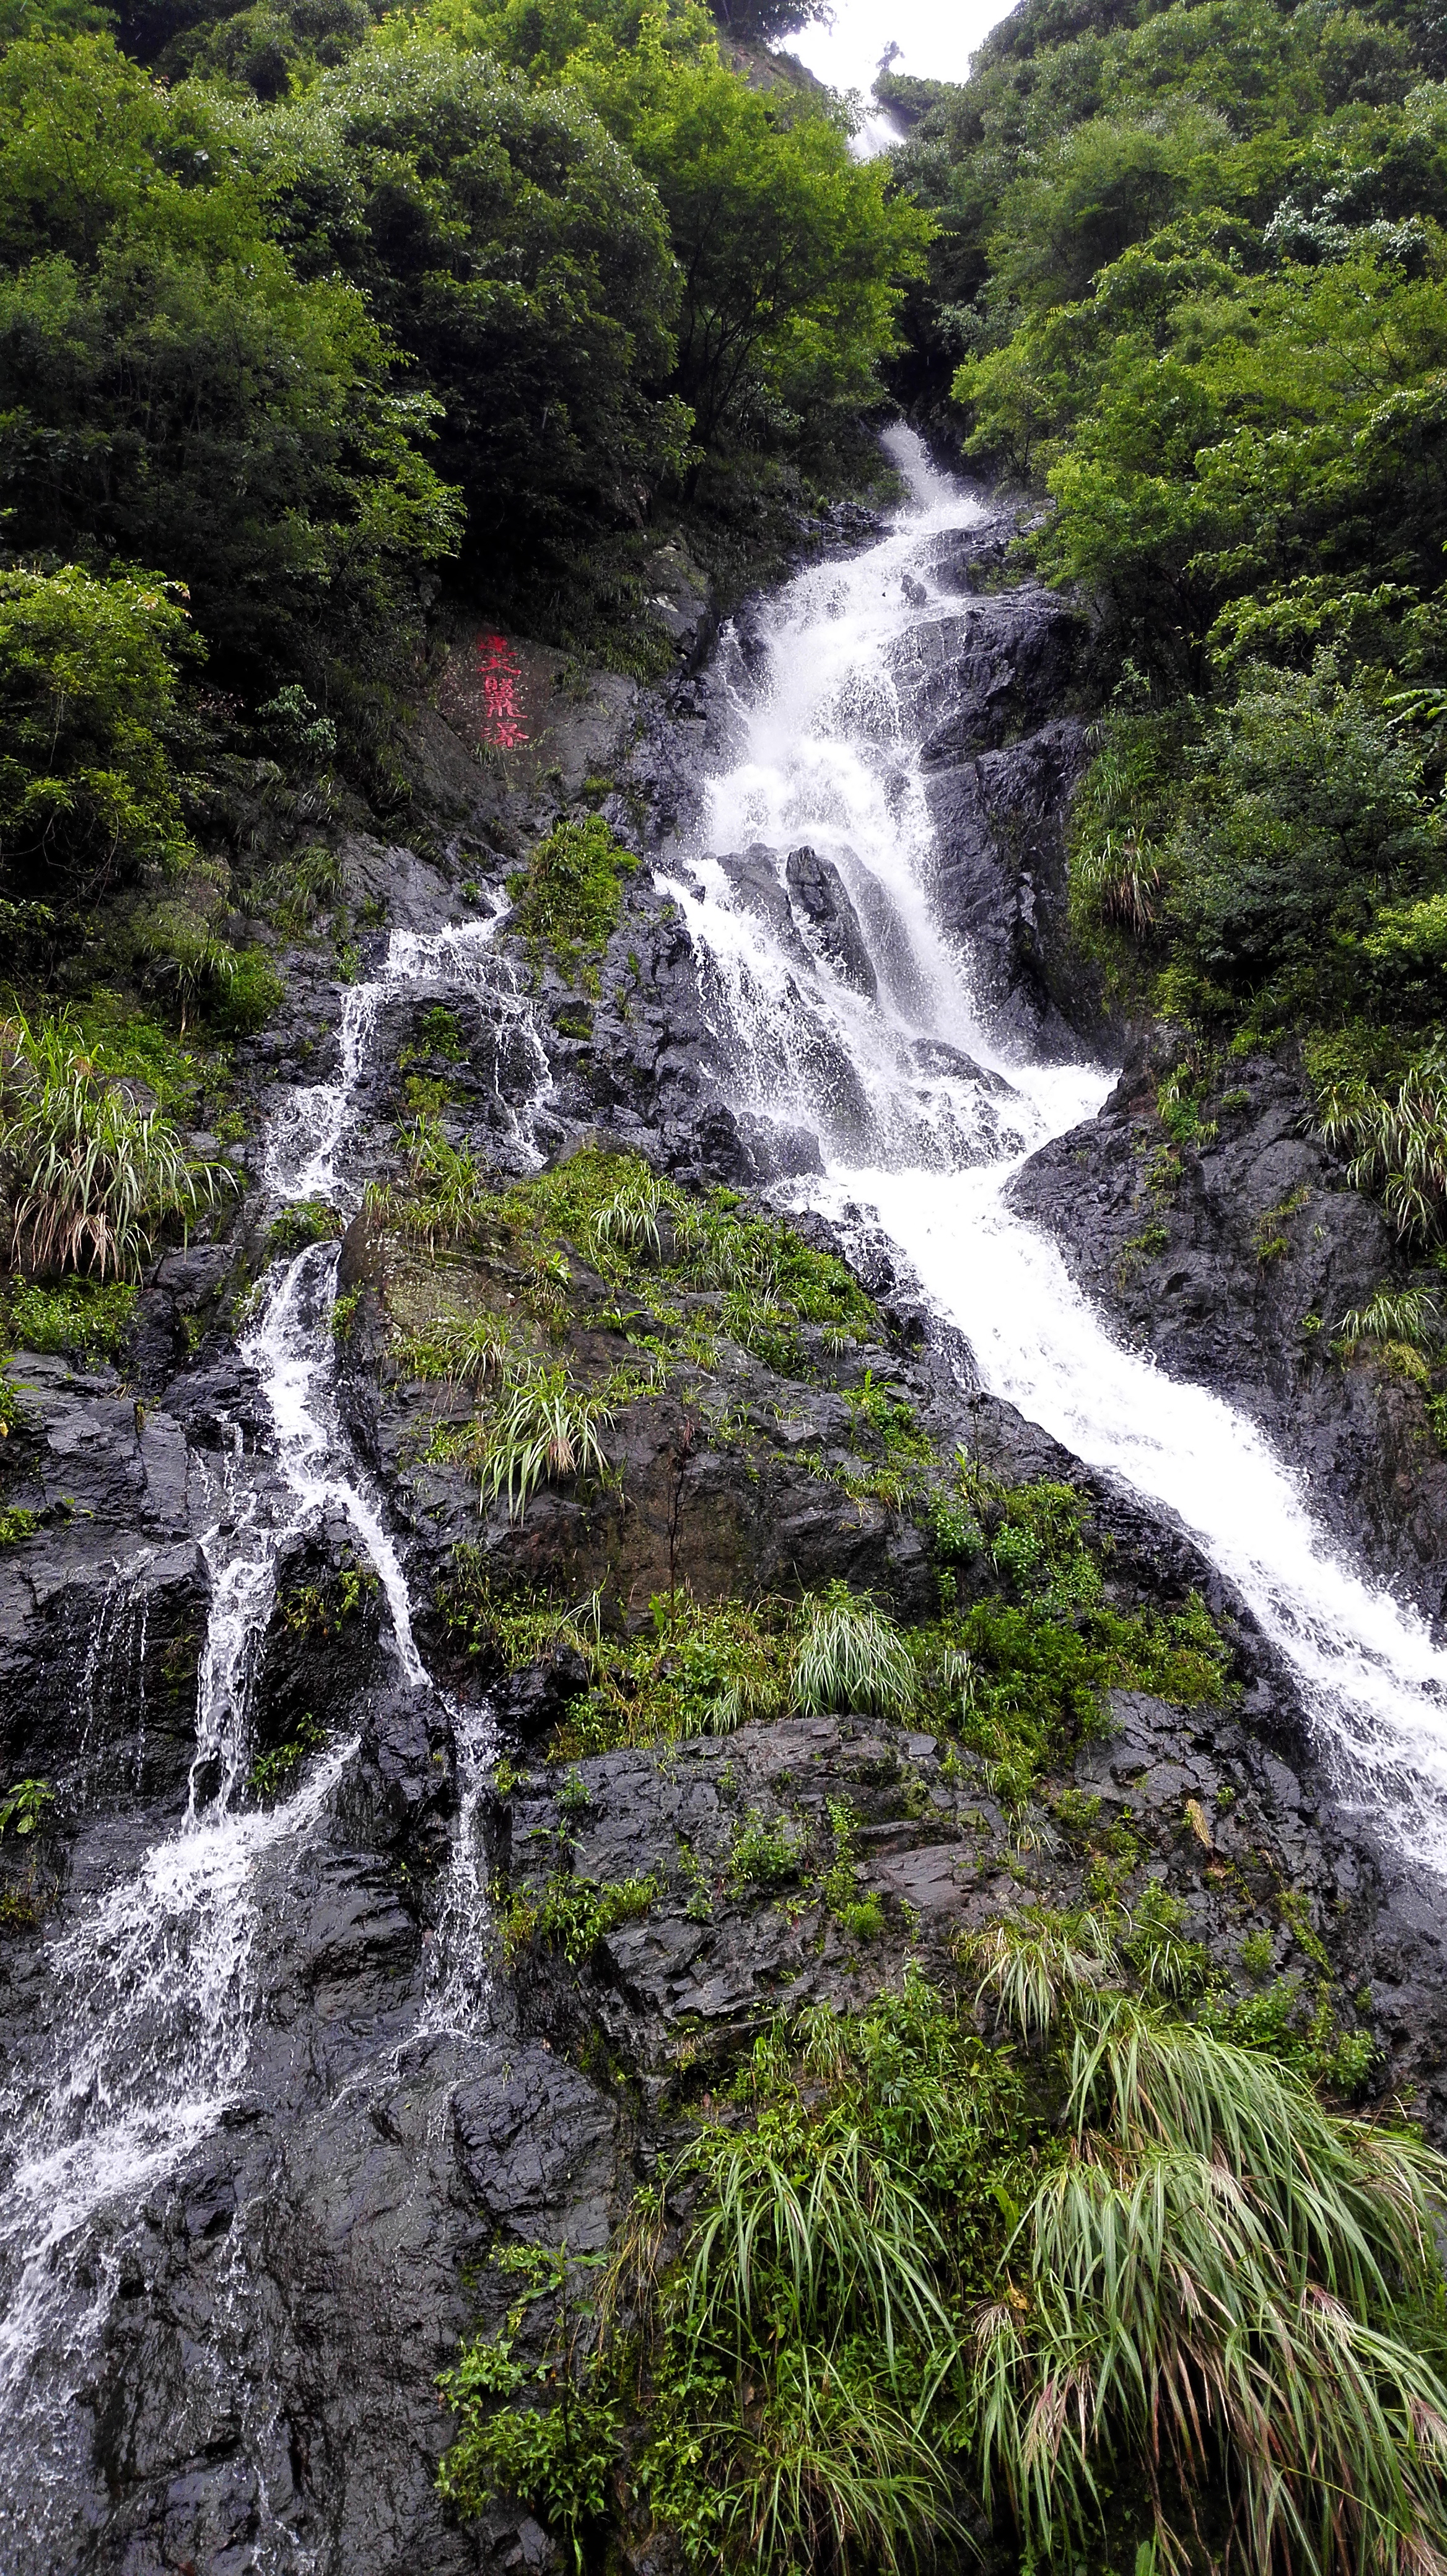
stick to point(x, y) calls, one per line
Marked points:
point(237, 2359)
point(1235, 1257)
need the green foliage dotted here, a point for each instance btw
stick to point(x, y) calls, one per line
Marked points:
point(88, 678)
point(87, 1176)
point(271, 1772)
point(23, 1806)
point(792, 254)
point(1189, 275)
point(1399, 1142)
point(246, 995)
point(558, 2459)
point(79, 1317)
point(174, 392)
point(301, 1222)
point(567, 900)
point(1407, 1315)
point(848, 2318)
point(517, 251)
point(17, 1523)
point(1305, 801)
point(1022, 1676)
point(573, 1914)
point(763, 1853)
point(542, 1428)
point(847, 1656)
point(617, 1212)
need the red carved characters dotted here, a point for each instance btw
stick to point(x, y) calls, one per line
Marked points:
point(501, 719)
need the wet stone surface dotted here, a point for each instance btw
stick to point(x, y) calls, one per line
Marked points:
point(237, 2354)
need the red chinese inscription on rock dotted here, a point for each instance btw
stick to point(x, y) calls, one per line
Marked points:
point(500, 676)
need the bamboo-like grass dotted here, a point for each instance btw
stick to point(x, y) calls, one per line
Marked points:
point(87, 1176)
point(544, 1429)
point(1400, 1148)
point(848, 1656)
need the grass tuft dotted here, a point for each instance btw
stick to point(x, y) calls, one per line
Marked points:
point(848, 1656)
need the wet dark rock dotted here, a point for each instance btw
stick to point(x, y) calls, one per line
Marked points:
point(1237, 1273)
point(818, 892)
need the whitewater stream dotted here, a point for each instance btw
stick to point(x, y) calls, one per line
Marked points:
point(922, 1120)
point(149, 2038)
point(878, 1051)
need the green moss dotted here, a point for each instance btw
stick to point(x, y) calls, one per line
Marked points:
point(568, 898)
point(644, 1235)
point(16, 1524)
point(304, 1221)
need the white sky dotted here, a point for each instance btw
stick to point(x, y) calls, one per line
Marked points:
point(936, 38)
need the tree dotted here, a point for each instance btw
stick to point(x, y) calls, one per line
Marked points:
point(88, 795)
point(170, 389)
point(508, 242)
point(793, 255)
point(1304, 816)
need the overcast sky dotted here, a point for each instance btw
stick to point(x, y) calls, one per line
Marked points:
point(935, 38)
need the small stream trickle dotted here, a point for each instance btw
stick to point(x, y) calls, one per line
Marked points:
point(154, 1995)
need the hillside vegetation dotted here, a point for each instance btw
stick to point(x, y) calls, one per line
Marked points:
point(301, 308)
point(1191, 275)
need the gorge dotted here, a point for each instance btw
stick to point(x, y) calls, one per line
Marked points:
point(286, 2051)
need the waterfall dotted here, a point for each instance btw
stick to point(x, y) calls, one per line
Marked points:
point(153, 1995)
point(922, 1116)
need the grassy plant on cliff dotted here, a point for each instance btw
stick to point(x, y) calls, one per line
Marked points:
point(566, 901)
point(88, 1177)
point(1131, 2293)
point(542, 1429)
point(1399, 1146)
point(633, 1226)
point(849, 1657)
point(79, 1315)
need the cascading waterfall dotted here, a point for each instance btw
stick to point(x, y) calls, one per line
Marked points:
point(922, 1120)
point(154, 1998)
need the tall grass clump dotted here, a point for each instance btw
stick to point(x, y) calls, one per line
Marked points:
point(543, 1429)
point(1109, 2285)
point(1399, 1146)
point(88, 1176)
point(848, 1656)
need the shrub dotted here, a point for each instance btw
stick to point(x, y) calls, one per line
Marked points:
point(848, 1656)
point(248, 996)
point(568, 898)
point(1306, 799)
point(79, 1316)
point(87, 1175)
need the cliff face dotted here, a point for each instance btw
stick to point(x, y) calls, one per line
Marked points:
point(332, 2087)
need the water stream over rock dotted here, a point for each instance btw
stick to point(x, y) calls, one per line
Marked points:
point(261, 2114)
point(855, 1018)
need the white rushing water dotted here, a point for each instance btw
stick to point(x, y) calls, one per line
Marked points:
point(828, 728)
point(153, 1988)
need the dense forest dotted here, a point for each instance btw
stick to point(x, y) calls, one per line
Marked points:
point(299, 309)
point(1191, 279)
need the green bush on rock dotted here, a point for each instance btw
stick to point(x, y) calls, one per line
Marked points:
point(1118, 2284)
